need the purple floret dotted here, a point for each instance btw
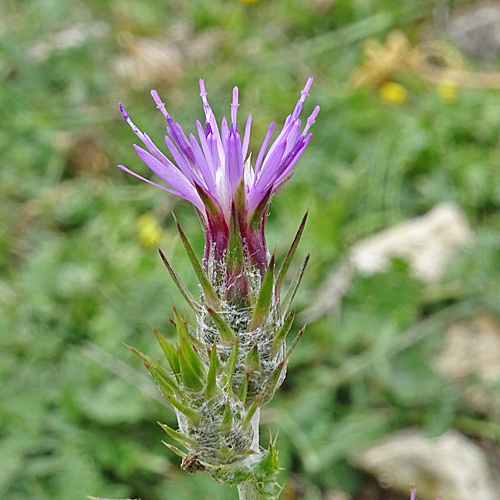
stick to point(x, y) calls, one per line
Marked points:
point(212, 164)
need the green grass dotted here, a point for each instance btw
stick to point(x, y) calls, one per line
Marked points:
point(77, 413)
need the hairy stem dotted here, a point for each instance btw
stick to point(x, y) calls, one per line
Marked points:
point(248, 491)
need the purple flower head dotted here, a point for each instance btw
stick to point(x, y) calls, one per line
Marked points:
point(212, 170)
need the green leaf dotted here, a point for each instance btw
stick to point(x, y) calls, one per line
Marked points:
point(272, 381)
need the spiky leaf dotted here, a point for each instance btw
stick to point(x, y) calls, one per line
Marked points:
point(211, 386)
point(227, 420)
point(289, 256)
point(230, 366)
point(162, 378)
point(169, 351)
point(281, 335)
point(209, 291)
point(294, 285)
point(261, 309)
point(190, 378)
point(242, 393)
point(180, 285)
point(250, 413)
point(192, 415)
point(226, 334)
point(175, 449)
point(252, 361)
point(178, 436)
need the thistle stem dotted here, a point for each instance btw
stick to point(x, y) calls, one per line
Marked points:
point(248, 491)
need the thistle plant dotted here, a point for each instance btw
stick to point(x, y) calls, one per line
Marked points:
point(222, 370)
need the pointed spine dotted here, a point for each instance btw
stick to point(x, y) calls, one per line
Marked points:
point(187, 347)
point(261, 309)
point(289, 256)
point(250, 413)
point(294, 344)
point(175, 449)
point(161, 377)
point(227, 420)
point(208, 289)
point(179, 437)
point(190, 378)
point(169, 351)
point(230, 366)
point(244, 388)
point(294, 285)
point(180, 285)
point(258, 213)
point(281, 335)
point(252, 361)
point(226, 334)
point(192, 415)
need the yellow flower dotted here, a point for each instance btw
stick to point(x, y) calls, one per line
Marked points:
point(149, 230)
point(249, 1)
point(393, 93)
point(448, 91)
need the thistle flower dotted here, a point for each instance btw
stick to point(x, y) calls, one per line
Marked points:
point(214, 172)
point(223, 370)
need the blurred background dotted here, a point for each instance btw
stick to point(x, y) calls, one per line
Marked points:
point(397, 379)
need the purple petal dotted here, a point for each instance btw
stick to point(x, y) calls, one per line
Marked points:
point(181, 160)
point(125, 169)
point(311, 120)
point(246, 137)
point(292, 158)
point(271, 163)
point(234, 108)
point(210, 118)
point(281, 136)
point(202, 164)
point(234, 159)
point(170, 175)
point(206, 148)
point(263, 148)
point(196, 202)
point(175, 131)
point(303, 95)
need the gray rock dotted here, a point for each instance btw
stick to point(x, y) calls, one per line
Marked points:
point(450, 465)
